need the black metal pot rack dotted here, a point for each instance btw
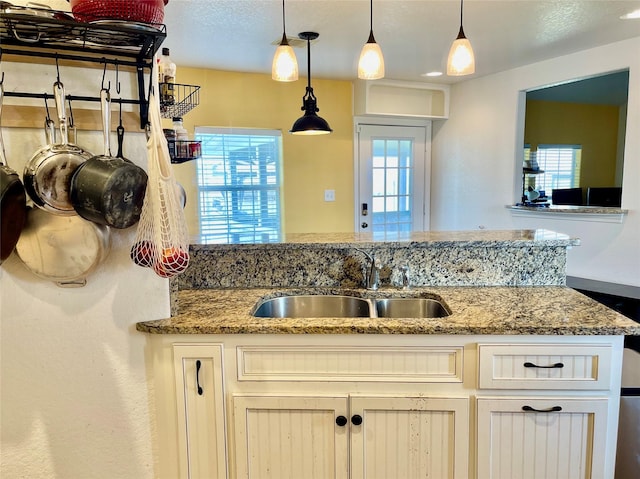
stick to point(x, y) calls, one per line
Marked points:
point(56, 35)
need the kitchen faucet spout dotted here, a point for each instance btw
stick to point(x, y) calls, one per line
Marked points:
point(372, 273)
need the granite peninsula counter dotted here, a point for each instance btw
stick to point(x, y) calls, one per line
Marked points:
point(546, 310)
point(233, 391)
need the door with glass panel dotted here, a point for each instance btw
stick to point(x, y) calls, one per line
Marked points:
point(393, 179)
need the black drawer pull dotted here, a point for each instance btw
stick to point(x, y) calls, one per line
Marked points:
point(356, 419)
point(198, 366)
point(341, 421)
point(553, 366)
point(551, 409)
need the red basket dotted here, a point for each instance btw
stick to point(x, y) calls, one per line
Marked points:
point(146, 11)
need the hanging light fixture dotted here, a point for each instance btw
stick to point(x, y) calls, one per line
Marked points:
point(285, 65)
point(371, 63)
point(461, 59)
point(309, 123)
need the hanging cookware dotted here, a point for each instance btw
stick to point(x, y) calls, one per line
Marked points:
point(13, 201)
point(62, 249)
point(106, 189)
point(47, 175)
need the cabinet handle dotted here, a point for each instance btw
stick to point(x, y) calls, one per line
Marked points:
point(341, 421)
point(198, 366)
point(553, 366)
point(551, 409)
point(356, 419)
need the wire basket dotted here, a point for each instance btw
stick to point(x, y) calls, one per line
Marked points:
point(146, 11)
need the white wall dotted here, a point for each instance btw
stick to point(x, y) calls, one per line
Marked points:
point(74, 393)
point(476, 171)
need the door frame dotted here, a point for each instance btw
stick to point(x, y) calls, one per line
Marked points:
point(393, 122)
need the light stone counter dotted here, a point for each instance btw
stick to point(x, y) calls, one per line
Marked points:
point(544, 310)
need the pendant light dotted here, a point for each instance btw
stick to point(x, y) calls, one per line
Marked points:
point(371, 63)
point(309, 123)
point(461, 59)
point(285, 64)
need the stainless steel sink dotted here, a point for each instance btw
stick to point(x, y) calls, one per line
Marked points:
point(410, 308)
point(313, 306)
point(338, 306)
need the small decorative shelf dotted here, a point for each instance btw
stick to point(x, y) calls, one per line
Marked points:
point(183, 151)
point(177, 100)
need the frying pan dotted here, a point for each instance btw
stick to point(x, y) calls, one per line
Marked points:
point(105, 189)
point(62, 249)
point(47, 175)
point(13, 201)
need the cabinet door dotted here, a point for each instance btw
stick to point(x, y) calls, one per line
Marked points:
point(541, 438)
point(409, 437)
point(200, 403)
point(290, 437)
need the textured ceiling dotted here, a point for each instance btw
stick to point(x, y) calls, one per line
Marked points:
point(415, 35)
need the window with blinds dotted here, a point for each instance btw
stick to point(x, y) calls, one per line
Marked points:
point(561, 165)
point(239, 185)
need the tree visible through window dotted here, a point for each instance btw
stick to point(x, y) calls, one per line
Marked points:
point(239, 185)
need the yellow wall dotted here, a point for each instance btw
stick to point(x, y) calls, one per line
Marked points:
point(311, 164)
point(595, 127)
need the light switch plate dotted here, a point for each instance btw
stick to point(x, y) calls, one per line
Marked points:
point(329, 195)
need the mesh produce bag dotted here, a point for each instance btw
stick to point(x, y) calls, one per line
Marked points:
point(162, 239)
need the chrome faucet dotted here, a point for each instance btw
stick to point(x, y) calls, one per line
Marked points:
point(404, 271)
point(372, 273)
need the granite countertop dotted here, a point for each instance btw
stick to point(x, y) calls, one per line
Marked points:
point(439, 239)
point(541, 310)
point(592, 210)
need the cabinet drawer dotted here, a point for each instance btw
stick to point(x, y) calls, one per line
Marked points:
point(551, 366)
point(318, 363)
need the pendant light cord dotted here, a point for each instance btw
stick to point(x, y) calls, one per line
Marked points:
point(461, 8)
point(308, 63)
point(283, 23)
point(371, 13)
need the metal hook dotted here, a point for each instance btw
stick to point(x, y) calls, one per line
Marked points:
point(46, 106)
point(57, 69)
point(2, 78)
point(117, 80)
point(120, 119)
point(104, 72)
point(71, 124)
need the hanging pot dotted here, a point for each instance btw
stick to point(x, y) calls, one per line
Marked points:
point(62, 249)
point(13, 202)
point(47, 175)
point(107, 189)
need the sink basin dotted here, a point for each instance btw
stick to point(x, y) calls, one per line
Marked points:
point(313, 306)
point(410, 308)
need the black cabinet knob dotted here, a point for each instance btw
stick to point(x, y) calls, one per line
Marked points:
point(356, 419)
point(341, 421)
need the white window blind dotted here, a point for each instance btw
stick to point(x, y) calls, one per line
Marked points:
point(561, 165)
point(239, 185)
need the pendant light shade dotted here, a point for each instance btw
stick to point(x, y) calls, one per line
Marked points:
point(310, 123)
point(371, 63)
point(461, 58)
point(285, 64)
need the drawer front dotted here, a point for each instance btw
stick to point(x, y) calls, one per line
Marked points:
point(549, 366)
point(388, 364)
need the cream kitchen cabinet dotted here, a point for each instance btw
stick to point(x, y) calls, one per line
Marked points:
point(529, 433)
point(288, 405)
point(351, 436)
point(541, 438)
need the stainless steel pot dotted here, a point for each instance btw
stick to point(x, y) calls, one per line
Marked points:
point(47, 175)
